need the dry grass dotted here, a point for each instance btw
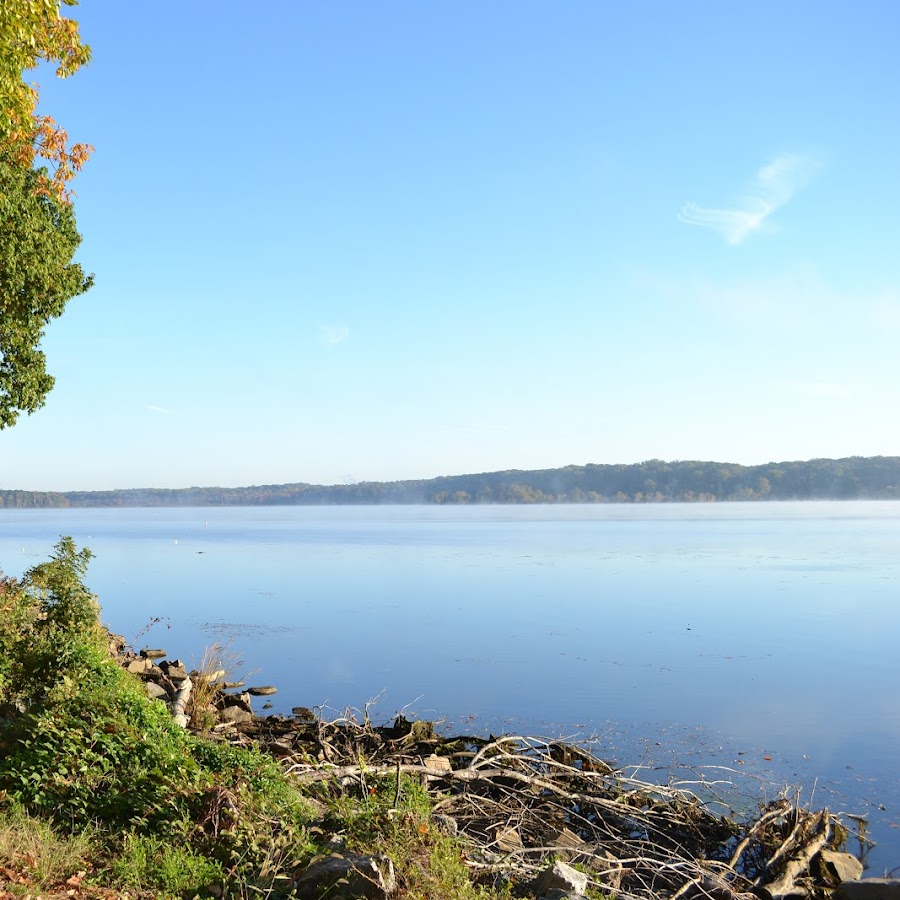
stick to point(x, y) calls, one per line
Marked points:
point(220, 663)
point(41, 857)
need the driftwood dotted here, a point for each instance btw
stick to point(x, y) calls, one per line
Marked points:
point(517, 802)
point(182, 694)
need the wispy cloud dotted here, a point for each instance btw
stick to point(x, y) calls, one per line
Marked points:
point(332, 335)
point(774, 185)
point(160, 410)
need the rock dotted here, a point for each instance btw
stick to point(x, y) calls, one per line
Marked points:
point(155, 691)
point(438, 763)
point(235, 715)
point(267, 705)
point(566, 845)
point(371, 877)
point(840, 867)
point(563, 878)
point(304, 714)
point(264, 690)
point(868, 889)
point(175, 669)
point(116, 644)
point(240, 700)
point(139, 666)
point(153, 654)
point(564, 837)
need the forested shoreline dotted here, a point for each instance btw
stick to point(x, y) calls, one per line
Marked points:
point(653, 481)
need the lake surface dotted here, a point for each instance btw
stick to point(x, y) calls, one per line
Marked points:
point(760, 636)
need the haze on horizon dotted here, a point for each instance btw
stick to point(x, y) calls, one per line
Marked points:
point(340, 244)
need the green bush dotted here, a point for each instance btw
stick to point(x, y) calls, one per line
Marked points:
point(83, 747)
point(153, 863)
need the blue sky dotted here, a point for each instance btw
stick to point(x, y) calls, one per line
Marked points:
point(343, 241)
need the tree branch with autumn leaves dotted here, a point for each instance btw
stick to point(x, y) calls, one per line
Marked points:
point(32, 32)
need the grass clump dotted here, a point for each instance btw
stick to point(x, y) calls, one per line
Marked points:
point(46, 856)
point(150, 863)
point(218, 663)
point(394, 817)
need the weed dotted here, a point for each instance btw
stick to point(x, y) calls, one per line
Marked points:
point(32, 845)
point(428, 863)
point(154, 863)
point(218, 664)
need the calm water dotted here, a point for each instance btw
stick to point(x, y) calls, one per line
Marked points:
point(673, 634)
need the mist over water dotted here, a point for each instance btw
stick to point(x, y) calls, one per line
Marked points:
point(673, 634)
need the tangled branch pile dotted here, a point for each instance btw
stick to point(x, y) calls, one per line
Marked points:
point(519, 801)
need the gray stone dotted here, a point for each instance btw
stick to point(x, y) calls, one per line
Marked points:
point(371, 877)
point(155, 691)
point(304, 714)
point(868, 889)
point(840, 866)
point(235, 715)
point(566, 845)
point(153, 654)
point(241, 700)
point(175, 669)
point(561, 877)
point(263, 690)
point(438, 763)
point(139, 666)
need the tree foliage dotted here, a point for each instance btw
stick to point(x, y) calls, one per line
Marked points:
point(653, 481)
point(38, 239)
point(32, 32)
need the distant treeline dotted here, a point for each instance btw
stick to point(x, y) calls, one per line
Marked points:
point(653, 481)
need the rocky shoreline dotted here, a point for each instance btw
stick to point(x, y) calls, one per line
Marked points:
point(545, 819)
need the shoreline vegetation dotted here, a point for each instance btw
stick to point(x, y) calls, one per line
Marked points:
point(123, 774)
point(653, 481)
